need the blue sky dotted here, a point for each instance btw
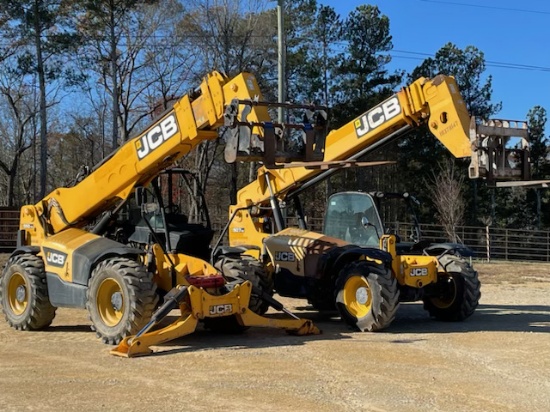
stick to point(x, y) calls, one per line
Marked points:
point(509, 33)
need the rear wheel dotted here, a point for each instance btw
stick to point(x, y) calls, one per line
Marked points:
point(457, 291)
point(247, 268)
point(367, 296)
point(121, 298)
point(24, 293)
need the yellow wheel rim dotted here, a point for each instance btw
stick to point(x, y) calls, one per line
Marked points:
point(18, 296)
point(444, 302)
point(110, 302)
point(357, 296)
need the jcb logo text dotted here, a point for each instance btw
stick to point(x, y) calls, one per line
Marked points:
point(377, 116)
point(163, 131)
point(55, 258)
point(221, 309)
point(419, 272)
point(285, 257)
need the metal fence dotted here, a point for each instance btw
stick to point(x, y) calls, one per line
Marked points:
point(9, 224)
point(492, 243)
point(486, 242)
point(509, 244)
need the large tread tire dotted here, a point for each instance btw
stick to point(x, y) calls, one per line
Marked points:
point(459, 291)
point(247, 268)
point(367, 296)
point(24, 293)
point(121, 299)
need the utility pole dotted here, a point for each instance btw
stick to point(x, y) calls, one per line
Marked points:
point(281, 57)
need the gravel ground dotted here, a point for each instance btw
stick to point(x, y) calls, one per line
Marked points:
point(498, 360)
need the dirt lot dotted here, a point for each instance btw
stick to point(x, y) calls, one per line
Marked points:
point(498, 360)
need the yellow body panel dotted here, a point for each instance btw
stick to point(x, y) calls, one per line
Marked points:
point(416, 271)
point(28, 221)
point(185, 265)
point(57, 251)
point(410, 270)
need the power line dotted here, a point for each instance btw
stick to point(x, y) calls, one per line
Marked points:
point(489, 63)
point(455, 3)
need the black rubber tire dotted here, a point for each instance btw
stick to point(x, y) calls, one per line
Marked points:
point(247, 268)
point(459, 291)
point(367, 296)
point(128, 280)
point(25, 273)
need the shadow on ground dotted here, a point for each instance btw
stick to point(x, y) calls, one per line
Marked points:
point(411, 318)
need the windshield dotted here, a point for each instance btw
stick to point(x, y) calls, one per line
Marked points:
point(343, 218)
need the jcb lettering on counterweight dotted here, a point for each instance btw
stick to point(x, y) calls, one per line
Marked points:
point(377, 116)
point(163, 131)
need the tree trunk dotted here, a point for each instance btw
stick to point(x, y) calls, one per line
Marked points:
point(11, 181)
point(42, 87)
point(114, 79)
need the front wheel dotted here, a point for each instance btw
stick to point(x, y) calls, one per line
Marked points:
point(457, 292)
point(367, 296)
point(121, 298)
point(24, 293)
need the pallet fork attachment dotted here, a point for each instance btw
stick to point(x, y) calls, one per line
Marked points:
point(195, 304)
point(494, 154)
point(275, 144)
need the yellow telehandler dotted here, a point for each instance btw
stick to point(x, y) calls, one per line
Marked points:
point(366, 281)
point(72, 252)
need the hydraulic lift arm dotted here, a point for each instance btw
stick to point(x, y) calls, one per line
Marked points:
point(192, 120)
point(437, 103)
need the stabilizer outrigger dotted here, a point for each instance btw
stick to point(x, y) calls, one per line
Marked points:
point(196, 304)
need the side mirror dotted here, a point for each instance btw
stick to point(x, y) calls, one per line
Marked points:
point(365, 222)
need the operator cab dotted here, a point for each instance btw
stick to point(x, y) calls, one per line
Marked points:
point(353, 217)
point(160, 219)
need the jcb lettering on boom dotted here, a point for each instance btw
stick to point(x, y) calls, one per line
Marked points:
point(377, 116)
point(163, 131)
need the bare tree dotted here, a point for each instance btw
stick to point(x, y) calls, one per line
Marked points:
point(41, 27)
point(128, 44)
point(18, 110)
point(230, 36)
point(447, 194)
